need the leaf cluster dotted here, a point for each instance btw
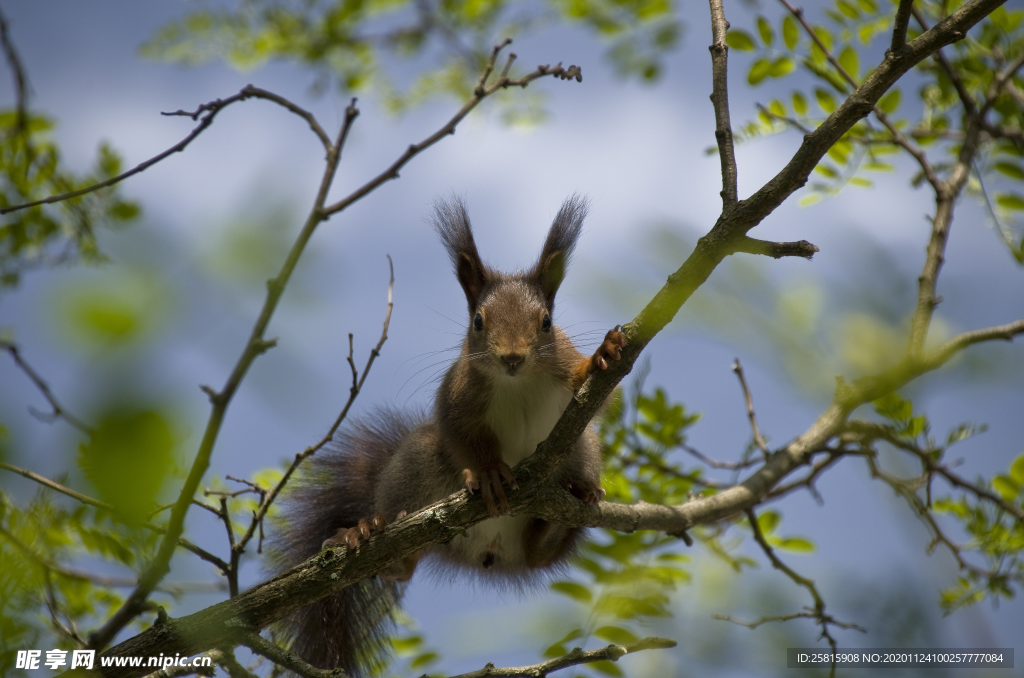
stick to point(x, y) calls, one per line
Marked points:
point(32, 170)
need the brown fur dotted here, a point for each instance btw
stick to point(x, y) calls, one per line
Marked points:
point(500, 398)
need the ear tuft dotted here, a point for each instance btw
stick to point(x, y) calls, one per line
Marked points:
point(452, 224)
point(558, 248)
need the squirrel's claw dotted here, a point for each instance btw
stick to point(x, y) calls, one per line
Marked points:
point(587, 492)
point(488, 481)
point(610, 349)
point(353, 536)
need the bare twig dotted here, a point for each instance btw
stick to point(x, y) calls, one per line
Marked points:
point(758, 438)
point(357, 384)
point(479, 94)
point(818, 612)
point(954, 76)
point(46, 482)
point(21, 86)
point(44, 388)
point(720, 101)
point(574, 658)
point(714, 463)
point(776, 250)
point(289, 660)
point(205, 113)
point(867, 431)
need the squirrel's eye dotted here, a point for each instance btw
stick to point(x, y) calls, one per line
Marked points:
point(546, 323)
point(478, 322)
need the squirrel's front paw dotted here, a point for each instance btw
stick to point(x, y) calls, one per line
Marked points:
point(610, 349)
point(353, 536)
point(587, 492)
point(488, 481)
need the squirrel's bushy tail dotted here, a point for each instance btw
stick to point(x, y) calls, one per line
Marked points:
point(350, 629)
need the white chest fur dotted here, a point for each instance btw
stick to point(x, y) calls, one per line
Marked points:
point(522, 412)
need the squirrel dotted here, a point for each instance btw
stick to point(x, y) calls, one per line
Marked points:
point(499, 399)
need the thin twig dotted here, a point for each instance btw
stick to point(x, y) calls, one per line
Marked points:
point(42, 480)
point(868, 431)
point(357, 385)
point(758, 438)
point(823, 620)
point(44, 388)
point(574, 658)
point(209, 111)
point(954, 76)
point(21, 87)
point(479, 94)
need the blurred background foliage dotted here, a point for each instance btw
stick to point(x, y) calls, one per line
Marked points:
point(128, 455)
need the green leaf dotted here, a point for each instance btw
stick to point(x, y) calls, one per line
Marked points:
point(1005, 486)
point(606, 667)
point(1017, 470)
point(739, 39)
point(1010, 169)
point(777, 108)
point(847, 9)
point(868, 6)
point(799, 103)
point(614, 634)
point(406, 645)
point(796, 544)
point(768, 521)
point(850, 61)
point(128, 458)
point(790, 32)
point(423, 660)
point(781, 67)
point(891, 101)
point(758, 71)
point(1010, 201)
point(765, 29)
point(825, 100)
point(580, 594)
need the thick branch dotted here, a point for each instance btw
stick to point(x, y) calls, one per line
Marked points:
point(720, 100)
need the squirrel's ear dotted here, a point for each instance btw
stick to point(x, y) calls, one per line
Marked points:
point(452, 223)
point(565, 231)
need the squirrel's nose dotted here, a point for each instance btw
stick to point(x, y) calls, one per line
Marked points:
point(513, 360)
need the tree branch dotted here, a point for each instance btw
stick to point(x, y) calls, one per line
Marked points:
point(818, 613)
point(899, 26)
point(481, 92)
point(332, 570)
point(776, 250)
point(46, 482)
point(257, 344)
point(44, 388)
point(758, 439)
point(574, 658)
point(720, 100)
point(209, 112)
